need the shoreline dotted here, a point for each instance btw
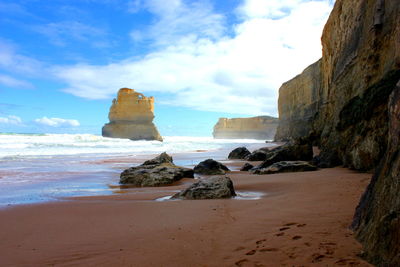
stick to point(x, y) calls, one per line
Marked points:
point(33, 180)
point(302, 219)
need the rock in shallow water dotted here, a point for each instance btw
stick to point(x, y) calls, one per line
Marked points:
point(159, 171)
point(286, 166)
point(208, 188)
point(210, 167)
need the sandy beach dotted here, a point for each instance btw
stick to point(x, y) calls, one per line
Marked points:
point(301, 219)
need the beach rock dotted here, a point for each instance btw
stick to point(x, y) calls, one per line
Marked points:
point(162, 158)
point(257, 155)
point(246, 167)
point(239, 153)
point(208, 188)
point(159, 171)
point(131, 116)
point(261, 127)
point(377, 217)
point(287, 152)
point(286, 166)
point(210, 167)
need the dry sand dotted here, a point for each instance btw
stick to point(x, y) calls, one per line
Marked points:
point(302, 220)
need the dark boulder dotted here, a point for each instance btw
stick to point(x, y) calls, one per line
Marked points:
point(286, 166)
point(210, 167)
point(287, 152)
point(257, 155)
point(246, 167)
point(159, 171)
point(208, 188)
point(239, 153)
point(162, 158)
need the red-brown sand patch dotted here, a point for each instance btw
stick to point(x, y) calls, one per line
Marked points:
point(312, 209)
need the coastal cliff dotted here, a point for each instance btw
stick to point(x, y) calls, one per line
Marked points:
point(298, 103)
point(346, 111)
point(131, 117)
point(377, 217)
point(343, 108)
point(261, 127)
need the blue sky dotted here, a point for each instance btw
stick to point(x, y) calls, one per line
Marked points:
point(62, 61)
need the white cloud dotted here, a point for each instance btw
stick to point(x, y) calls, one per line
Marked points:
point(57, 122)
point(11, 119)
point(199, 66)
point(10, 60)
point(178, 20)
point(133, 6)
point(60, 33)
point(13, 82)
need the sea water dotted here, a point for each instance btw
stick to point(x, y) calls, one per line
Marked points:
point(43, 167)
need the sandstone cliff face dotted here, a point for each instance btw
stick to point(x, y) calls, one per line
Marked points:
point(298, 103)
point(358, 70)
point(131, 116)
point(377, 218)
point(262, 127)
point(360, 67)
point(353, 125)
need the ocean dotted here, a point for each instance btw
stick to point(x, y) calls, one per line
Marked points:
point(48, 167)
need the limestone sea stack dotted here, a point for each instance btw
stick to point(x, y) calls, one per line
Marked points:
point(131, 116)
point(261, 127)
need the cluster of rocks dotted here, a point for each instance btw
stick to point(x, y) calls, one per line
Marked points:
point(291, 157)
point(161, 171)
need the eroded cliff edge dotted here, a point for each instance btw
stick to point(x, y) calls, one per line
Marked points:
point(340, 102)
point(261, 127)
point(377, 217)
point(344, 109)
point(131, 116)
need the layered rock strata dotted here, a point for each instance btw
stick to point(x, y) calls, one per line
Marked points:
point(298, 103)
point(359, 69)
point(340, 102)
point(377, 218)
point(262, 127)
point(131, 116)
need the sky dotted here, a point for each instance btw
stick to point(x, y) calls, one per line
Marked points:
point(63, 61)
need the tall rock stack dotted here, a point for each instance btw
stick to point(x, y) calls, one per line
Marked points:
point(131, 117)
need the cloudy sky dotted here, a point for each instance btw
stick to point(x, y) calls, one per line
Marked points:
point(62, 61)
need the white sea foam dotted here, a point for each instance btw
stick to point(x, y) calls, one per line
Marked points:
point(43, 167)
point(38, 145)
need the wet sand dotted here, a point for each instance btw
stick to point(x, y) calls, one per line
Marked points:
point(302, 220)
